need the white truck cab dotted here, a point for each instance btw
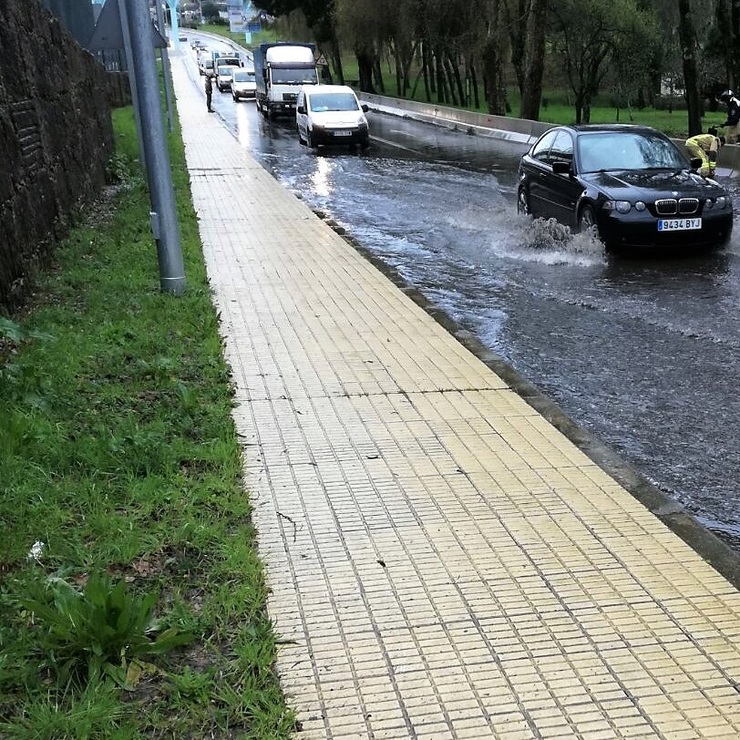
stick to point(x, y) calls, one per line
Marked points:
point(280, 69)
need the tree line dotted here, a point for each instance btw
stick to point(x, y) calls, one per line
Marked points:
point(470, 52)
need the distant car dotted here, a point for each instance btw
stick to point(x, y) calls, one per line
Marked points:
point(331, 115)
point(632, 184)
point(243, 84)
point(182, 37)
point(194, 44)
point(223, 76)
point(205, 65)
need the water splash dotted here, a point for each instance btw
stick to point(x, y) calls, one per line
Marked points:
point(551, 243)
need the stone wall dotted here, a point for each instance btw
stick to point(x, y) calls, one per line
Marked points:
point(55, 139)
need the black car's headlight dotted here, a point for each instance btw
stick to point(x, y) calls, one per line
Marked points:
point(720, 202)
point(621, 206)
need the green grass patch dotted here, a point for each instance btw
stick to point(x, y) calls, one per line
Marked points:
point(141, 610)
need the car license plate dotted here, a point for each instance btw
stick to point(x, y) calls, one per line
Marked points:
point(342, 133)
point(678, 224)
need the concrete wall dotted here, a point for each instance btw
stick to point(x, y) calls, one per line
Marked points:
point(55, 139)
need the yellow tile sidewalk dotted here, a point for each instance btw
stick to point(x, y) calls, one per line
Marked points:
point(443, 562)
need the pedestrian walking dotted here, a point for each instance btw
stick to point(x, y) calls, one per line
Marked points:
point(209, 92)
point(732, 124)
point(705, 147)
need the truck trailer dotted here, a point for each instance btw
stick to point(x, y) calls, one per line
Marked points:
point(280, 70)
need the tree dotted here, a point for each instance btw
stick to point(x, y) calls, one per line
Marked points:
point(534, 59)
point(635, 62)
point(587, 34)
point(493, 58)
point(210, 11)
point(687, 37)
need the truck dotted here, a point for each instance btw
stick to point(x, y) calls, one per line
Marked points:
point(280, 70)
point(224, 57)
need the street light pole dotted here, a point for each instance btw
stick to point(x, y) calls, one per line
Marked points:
point(147, 101)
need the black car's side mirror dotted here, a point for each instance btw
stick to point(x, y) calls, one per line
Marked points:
point(695, 163)
point(365, 107)
point(561, 168)
point(301, 109)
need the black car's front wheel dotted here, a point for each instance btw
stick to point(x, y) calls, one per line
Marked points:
point(586, 219)
point(522, 201)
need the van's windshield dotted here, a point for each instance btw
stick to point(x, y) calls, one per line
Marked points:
point(333, 101)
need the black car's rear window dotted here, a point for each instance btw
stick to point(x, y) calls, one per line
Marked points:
point(619, 150)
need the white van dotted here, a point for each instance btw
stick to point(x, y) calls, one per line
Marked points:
point(243, 84)
point(331, 115)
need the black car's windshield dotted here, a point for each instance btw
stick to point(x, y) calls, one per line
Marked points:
point(625, 150)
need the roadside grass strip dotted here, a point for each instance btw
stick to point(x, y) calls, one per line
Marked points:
point(132, 598)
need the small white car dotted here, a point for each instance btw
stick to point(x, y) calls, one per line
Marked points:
point(243, 84)
point(331, 115)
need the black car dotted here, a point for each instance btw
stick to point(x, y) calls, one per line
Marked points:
point(632, 183)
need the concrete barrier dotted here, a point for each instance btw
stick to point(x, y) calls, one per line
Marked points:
point(520, 130)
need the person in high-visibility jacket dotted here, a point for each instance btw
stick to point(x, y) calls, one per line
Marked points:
point(705, 147)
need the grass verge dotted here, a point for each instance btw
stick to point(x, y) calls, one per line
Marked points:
point(123, 521)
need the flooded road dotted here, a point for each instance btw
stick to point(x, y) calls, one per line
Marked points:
point(643, 353)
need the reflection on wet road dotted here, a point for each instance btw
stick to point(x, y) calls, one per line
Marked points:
point(644, 353)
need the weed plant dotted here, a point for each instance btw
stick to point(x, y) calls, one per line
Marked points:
point(123, 520)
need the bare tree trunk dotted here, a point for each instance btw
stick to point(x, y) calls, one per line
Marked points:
point(687, 39)
point(453, 72)
point(534, 60)
point(723, 24)
point(399, 75)
point(517, 25)
point(439, 73)
point(378, 75)
point(734, 67)
point(336, 60)
point(493, 72)
point(428, 74)
point(365, 67)
point(474, 84)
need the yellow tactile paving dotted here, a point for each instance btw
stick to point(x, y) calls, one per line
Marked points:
point(443, 562)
